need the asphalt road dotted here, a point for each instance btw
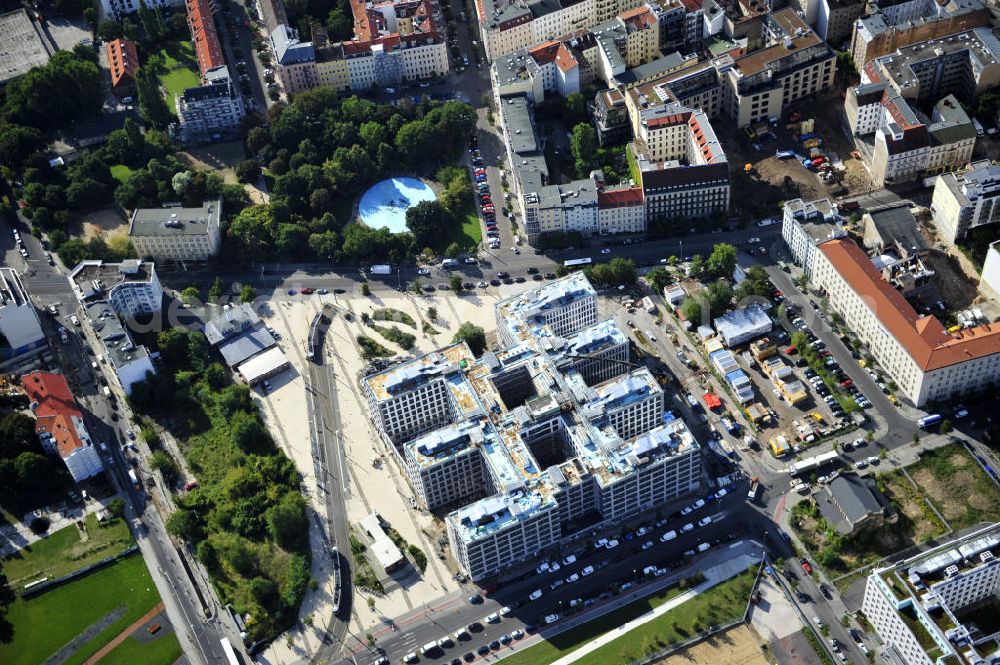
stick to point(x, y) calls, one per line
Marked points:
point(731, 519)
point(269, 278)
point(48, 285)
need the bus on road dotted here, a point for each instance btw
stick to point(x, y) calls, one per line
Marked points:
point(572, 263)
point(227, 649)
point(929, 421)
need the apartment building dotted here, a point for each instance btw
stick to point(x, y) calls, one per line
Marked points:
point(621, 209)
point(215, 106)
point(123, 62)
point(936, 76)
point(549, 434)
point(965, 200)
point(394, 41)
point(794, 63)
point(177, 234)
point(924, 608)
point(807, 224)
point(132, 286)
point(683, 169)
point(21, 332)
point(209, 109)
point(923, 359)
point(295, 60)
point(893, 25)
point(835, 19)
point(130, 362)
point(510, 25)
point(547, 68)
point(565, 306)
point(59, 424)
point(122, 8)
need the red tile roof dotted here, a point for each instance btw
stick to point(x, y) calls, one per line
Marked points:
point(617, 198)
point(206, 41)
point(564, 59)
point(640, 17)
point(924, 339)
point(55, 409)
point(123, 62)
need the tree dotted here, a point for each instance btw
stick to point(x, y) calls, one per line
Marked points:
point(576, 108)
point(253, 230)
point(173, 343)
point(659, 278)
point(257, 140)
point(455, 283)
point(184, 524)
point(691, 310)
point(416, 140)
point(472, 335)
point(216, 290)
point(191, 295)
point(33, 470)
point(845, 65)
point(249, 434)
point(287, 523)
point(324, 245)
point(432, 313)
point(247, 293)
point(583, 144)
point(987, 106)
point(696, 268)
point(722, 260)
point(247, 171)
point(152, 107)
point(17, 435)
point(365, 289)
point(17, 142)
point(427, 221)
point(109, 30)
point(264, 593)
point(452, 250)
point(117, 507)
point(166, 465)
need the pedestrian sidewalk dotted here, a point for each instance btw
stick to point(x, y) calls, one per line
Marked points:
point(713, 576)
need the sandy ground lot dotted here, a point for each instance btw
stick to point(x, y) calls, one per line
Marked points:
point(736, 646)
point(221, 157)
point(774, 616)
point(383, 488)
point(106, 222)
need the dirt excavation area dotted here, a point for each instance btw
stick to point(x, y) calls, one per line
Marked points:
point(736, 646)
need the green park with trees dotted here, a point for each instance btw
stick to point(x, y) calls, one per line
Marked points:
point(246, 520)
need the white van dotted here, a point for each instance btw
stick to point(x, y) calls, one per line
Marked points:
point(410, 658)
point(669, 535)
point(703, 547)
point(429, 648)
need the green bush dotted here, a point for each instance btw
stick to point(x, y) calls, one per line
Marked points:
point(394, 334)
point(372, 349)
point(419, 558)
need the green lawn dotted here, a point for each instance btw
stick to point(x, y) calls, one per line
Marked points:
point(162, 651)
point(182, 69)
point(42, 625)
point(957, 486)
point(725, 600)
point(121, 173)
point(717, 606)
point(63, 551)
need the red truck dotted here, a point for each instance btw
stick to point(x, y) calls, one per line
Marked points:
point(805, 566)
